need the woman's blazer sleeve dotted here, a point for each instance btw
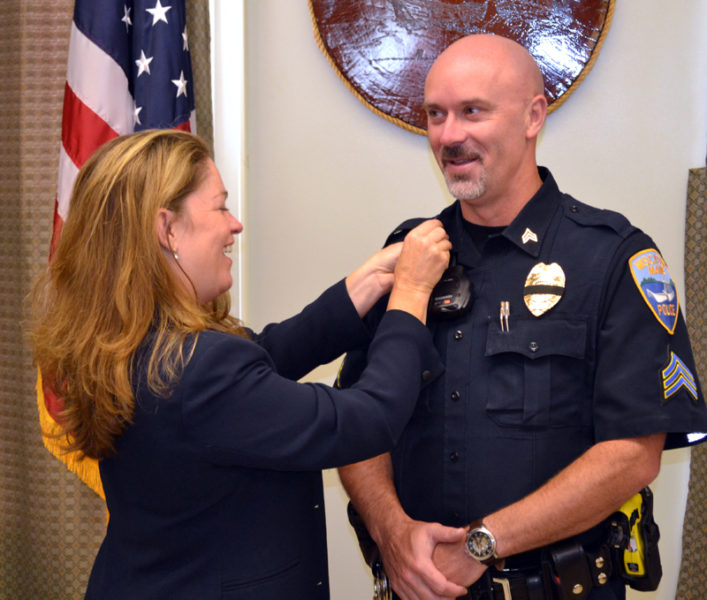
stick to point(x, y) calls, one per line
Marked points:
point(324, 330)
point(238, 410)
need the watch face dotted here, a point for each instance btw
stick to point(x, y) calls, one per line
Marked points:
point(480, 545)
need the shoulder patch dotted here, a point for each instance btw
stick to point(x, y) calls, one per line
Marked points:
point(655, 283)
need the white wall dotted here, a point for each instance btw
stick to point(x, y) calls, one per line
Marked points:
point(326, 179)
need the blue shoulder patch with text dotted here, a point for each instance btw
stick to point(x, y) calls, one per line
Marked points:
point(656, 285)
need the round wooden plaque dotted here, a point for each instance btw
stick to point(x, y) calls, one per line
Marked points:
point(382, 49)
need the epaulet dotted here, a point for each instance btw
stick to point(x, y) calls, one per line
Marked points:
point(590, 216)
point(399, 233)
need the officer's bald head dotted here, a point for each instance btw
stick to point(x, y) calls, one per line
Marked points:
point(504, 60)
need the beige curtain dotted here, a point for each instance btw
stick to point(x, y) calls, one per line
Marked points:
point(50, 524)
point(692, 584)
point(199, 46)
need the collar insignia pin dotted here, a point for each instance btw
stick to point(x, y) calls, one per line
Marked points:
point(544, 288)
point(529, 236)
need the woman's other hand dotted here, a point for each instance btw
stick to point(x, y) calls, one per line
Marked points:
point(373, 279)
point(423, 259)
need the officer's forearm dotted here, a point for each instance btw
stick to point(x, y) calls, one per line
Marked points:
point(580, 496)
point(370, 486)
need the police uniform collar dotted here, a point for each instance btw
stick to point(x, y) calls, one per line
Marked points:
point(463, 247)
point(528, 229)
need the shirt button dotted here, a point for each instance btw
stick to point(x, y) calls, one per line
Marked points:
point(533, 346)
point(458, 334)
point(426, 375)
point(574, 208)
point(456, 395)
point(454, 456)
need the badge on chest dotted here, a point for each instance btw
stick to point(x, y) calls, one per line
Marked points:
point(544, 287)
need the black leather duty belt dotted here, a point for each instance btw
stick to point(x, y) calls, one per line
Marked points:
point(512, 585)
point(567, 572)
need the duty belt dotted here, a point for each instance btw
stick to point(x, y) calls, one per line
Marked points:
point(567, 571)
point(506, 585)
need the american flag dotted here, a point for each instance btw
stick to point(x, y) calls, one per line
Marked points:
point(129, 69)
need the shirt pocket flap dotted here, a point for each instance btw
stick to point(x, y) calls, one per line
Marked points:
point(537, 338)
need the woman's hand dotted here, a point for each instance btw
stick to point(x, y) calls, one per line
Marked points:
point(373, 279)
point(423, 259)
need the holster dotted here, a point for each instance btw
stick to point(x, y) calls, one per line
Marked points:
point(368, 547)
point(633, 535)
point(371, 554)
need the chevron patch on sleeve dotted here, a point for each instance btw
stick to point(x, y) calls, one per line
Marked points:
point(675, 376)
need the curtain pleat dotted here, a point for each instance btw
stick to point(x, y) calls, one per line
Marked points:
point(692, 584)
point(199, 31)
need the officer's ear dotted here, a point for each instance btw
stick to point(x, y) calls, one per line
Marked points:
point(537, 111)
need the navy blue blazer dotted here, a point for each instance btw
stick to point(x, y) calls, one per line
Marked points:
point(216, 492)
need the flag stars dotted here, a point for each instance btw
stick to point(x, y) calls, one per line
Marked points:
point(143, 63)
point(181, 84)
point(185, 37)
point(126, 17)
point(136, 115)
point(159, 13)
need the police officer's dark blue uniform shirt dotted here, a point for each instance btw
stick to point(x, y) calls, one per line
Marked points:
point(592, 347)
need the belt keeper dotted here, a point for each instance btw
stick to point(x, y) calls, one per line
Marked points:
point(536, 587)
point(483, 588)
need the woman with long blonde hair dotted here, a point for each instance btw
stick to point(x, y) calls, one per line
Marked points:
point(209, 449)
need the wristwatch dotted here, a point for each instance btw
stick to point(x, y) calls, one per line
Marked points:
point(481, 545)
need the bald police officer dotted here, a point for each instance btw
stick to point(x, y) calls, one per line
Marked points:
point(560, 383)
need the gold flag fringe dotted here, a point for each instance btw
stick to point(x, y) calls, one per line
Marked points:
point(86, 469)
point(420, 131)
